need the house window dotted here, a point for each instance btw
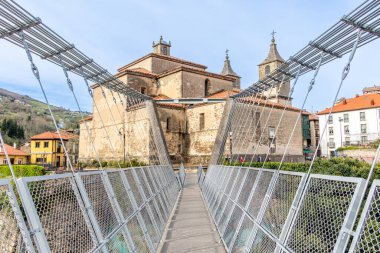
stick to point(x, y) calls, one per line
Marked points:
point(331, 119)
point(46, 144)
point(142, 90)
point(363, 128)
point(201, 121)
point(347, 141)
point(347, 129)
point(331, 143)
point(362, 116)
point(271, 132)
point(345, 117)
point(364, 139)
point(41, 160)
point(19, 161)
point(267, 70)
point(37, 144)
point(207, 87)
point(5, 161)
point(331, 131)
point(168, 124)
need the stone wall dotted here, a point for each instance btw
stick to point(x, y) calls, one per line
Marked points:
point(200, 142)
point(194, 85)
point(364, 154)
point(171, 85)
point(175, 132)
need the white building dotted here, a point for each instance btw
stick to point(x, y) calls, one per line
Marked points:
point(354, 121)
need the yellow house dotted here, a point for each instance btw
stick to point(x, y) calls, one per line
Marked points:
point(16, 156)
point(46, 148)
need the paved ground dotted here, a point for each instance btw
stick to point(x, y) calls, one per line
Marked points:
point(191, 228)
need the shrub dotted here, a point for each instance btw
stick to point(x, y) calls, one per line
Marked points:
point(22, 171)
point(338, 166)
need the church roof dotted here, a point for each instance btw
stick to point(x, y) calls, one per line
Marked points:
point(164, 57)
point(273, 54)
point(227, 69)
point(224, 93)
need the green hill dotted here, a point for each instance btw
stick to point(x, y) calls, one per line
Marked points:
point(33, 116)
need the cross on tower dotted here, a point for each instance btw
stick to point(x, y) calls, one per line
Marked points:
point(273, 33)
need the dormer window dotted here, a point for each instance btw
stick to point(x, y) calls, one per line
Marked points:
point(142, 90)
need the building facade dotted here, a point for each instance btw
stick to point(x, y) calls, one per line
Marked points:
point(46, 149)
point(16, 156)
point(189, 129)
point(354, 121)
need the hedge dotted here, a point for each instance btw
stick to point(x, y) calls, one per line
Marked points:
point(338, 166)
point(22, 171)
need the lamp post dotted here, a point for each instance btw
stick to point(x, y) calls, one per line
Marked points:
point(341, 134)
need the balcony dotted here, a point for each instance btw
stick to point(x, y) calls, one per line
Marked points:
point(331, 144)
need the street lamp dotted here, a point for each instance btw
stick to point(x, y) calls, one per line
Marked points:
point(340, 129)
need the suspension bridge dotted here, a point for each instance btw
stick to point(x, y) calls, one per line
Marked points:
point(227, 208)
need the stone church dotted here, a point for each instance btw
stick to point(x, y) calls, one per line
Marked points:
point(189, 129)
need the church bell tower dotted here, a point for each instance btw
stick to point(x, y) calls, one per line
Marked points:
point(271, 62)
point(161, 47)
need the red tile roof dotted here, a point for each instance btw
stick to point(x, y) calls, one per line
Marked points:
point(366, 101)
point(12, 151)
point(54, 136)
point(269, 104)
point(136, 71)
point(196, 71)
point(165, 57)
point(224, 93)
point(162, 97)
point(313, 117)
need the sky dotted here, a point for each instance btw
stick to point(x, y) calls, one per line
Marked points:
point(115, 33)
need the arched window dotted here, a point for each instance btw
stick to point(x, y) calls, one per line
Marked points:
point(267, 70)
point(207, 87)
point(168, 124)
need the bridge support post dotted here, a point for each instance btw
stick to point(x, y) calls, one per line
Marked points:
point(221, 137)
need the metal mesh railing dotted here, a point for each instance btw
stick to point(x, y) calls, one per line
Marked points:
point(95, 211)
point(14, 236)
point(367, 238)
point(261, 210)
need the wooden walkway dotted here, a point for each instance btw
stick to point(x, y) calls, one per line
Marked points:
point(191, 228)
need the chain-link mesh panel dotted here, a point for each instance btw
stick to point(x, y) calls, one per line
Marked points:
point(259, 194)
point(10, 236)
point(137, 235)
point(156, 217)
point(321, 215)
point(243, 235)
point(231, 180)
point(238, 182)
point(220, 207)
point(144, 185)
point(134, 187)
point(117, 243)
point(121, 193)
point(280, 202)
point(247, 187)
point(149, 179)
point(225, 215)
point(149, 224)
point(61, 215)
point(369, 236)
point(263, 243)
point(100, 202)
point(232, 225)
